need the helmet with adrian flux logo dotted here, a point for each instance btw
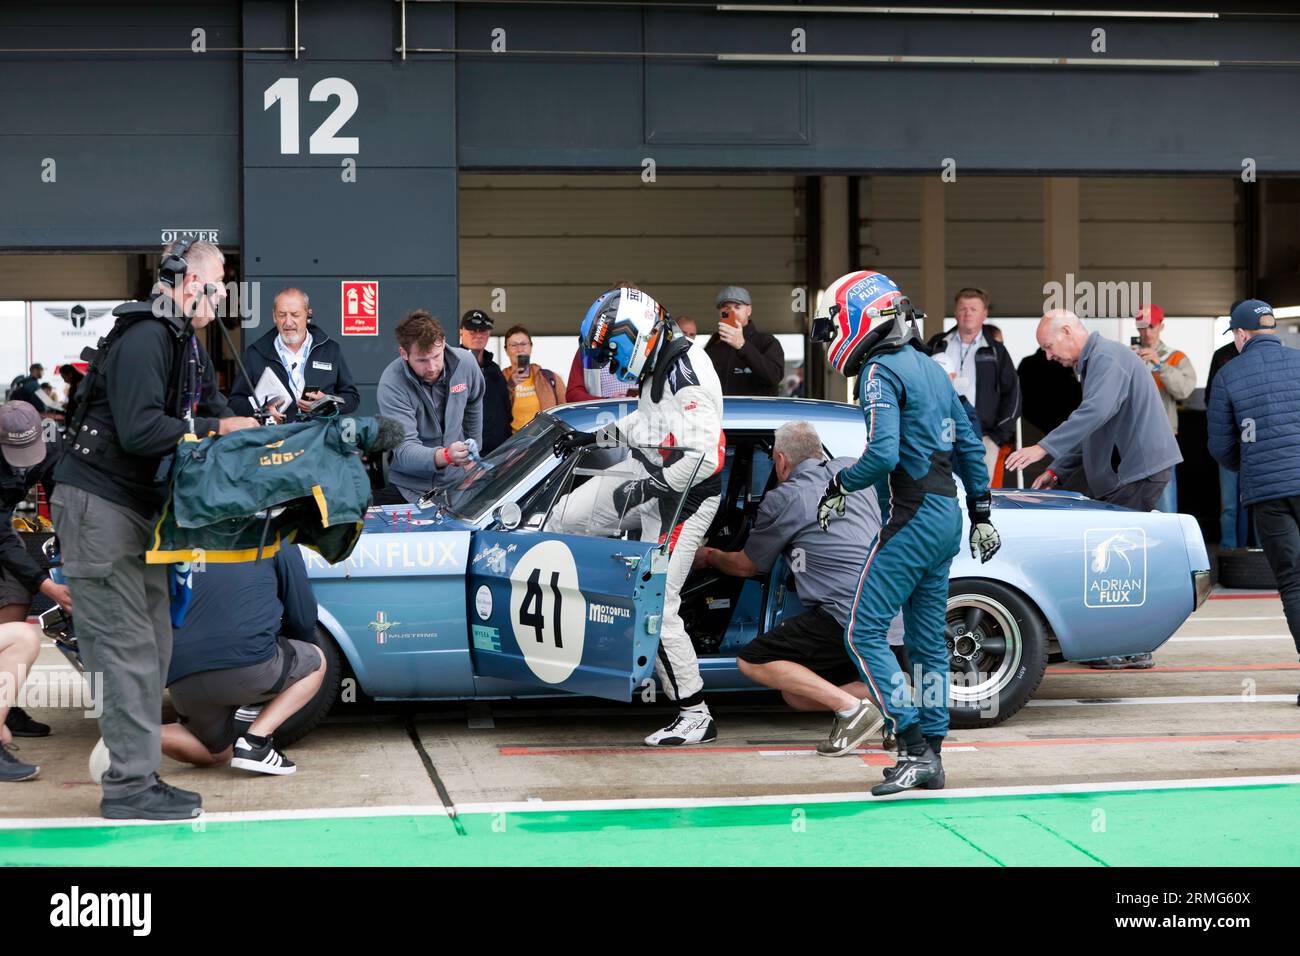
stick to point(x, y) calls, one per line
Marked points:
point(859, 314)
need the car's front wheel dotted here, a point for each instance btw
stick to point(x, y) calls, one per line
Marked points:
point(997, 648)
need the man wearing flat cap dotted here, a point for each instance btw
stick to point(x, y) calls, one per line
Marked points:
point(749, 362)
point(475, 330)
point(1254, 416)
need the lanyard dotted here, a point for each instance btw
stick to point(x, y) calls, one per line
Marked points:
point(964, 351)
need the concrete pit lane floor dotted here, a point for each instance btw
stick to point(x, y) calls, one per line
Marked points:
point(1195, 762)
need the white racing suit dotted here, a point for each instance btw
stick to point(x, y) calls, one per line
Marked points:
point(680, 404)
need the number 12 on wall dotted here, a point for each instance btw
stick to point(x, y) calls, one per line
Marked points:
point(326, 139)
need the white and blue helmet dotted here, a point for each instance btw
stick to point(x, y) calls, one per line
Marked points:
point(621, 332)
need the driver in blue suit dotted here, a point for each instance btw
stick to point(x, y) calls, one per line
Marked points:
point(915, 428)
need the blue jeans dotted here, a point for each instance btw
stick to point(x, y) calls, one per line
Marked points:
point(1232, 517)
point(1168, 502)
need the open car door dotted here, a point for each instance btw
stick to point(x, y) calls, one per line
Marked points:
point(576, 610)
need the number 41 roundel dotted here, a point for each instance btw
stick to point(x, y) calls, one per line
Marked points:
point(547, 611)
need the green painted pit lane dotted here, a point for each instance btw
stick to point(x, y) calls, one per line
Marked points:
point(1230, 826)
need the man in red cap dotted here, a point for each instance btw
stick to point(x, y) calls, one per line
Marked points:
point(1174, 377)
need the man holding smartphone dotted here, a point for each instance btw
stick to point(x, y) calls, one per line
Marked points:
point(1174, 377)
point(748, 362)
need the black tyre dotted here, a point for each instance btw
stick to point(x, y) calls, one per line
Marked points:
point(997, 643)
point(1246, 568)
point(304, 721)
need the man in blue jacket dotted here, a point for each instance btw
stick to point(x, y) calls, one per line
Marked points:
point(307, 362)
point(1254, 416)
point(915, 428)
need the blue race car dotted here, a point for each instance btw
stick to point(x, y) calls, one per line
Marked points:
point(470, 597)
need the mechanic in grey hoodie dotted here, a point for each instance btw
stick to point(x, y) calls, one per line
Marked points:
point(1121, 417)
point(436, 392)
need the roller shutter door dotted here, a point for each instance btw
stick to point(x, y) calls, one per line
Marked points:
point(553, 242)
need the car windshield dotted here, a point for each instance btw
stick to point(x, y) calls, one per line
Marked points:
point(487, 480)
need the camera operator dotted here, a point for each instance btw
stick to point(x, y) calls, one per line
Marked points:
point(150, 384)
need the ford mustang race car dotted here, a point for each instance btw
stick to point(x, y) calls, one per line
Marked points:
point(470, 596)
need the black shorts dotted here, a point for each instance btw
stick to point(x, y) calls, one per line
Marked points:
point(813, 639)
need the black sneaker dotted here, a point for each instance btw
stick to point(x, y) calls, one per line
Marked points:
point(20, 724)
point(13, 770)
point(264, 759)
point(161, 801)
point(911, 771)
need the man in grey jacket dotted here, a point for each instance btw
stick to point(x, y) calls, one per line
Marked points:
point(436, 392)
point(1120, 433)
point(1121, 417)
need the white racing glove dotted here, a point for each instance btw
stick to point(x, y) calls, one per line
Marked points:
point(834, 498)
point(984, 538)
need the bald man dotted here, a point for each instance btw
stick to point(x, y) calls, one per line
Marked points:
point(1119, 434)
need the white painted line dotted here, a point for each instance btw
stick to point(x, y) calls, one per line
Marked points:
point(233, 816)
point(668, 803)
point(534, 805)
point(1209, 699)
point(1210, 618)
point(1232, 637)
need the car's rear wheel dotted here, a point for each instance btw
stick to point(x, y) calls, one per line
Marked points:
point(305, 720)
point(997, 647)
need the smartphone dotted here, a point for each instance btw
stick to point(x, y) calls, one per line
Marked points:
point(726, 316)
point(1135, 341)
point(523, 361)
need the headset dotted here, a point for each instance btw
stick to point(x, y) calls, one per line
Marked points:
point(173, 265)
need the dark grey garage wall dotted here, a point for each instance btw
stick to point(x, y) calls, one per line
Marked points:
point(571, 113)
point(142, 142)
point(304, 225)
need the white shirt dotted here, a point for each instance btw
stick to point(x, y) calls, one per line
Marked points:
point(295, 363)
point(962, 357)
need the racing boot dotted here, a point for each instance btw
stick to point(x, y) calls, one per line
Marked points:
point(937, 781)
point(847, 733)
point(917, 765)
point(692, 725)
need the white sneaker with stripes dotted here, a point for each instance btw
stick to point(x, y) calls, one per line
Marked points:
point(265, 759)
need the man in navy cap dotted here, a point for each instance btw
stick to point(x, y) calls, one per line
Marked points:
point(1254, 416)
point(475, 331)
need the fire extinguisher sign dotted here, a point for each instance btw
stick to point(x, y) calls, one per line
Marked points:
point(360, 307)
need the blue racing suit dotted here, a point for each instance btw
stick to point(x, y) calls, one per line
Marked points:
point(915, 423)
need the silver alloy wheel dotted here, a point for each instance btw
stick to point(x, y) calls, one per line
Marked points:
point(984, 646)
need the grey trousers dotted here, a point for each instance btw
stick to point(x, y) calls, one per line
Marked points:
point(123, 627)
point(1140, 495)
